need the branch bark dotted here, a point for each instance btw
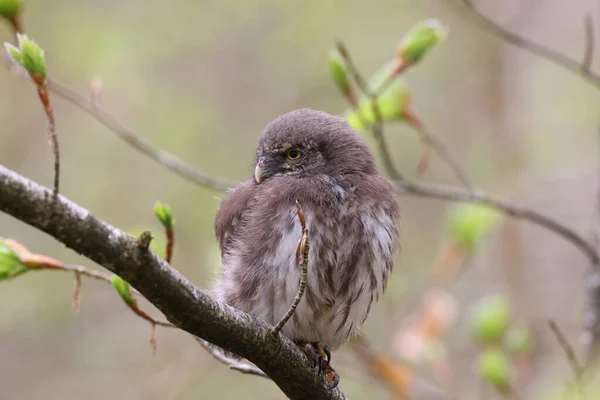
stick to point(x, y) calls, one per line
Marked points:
point(181, 302)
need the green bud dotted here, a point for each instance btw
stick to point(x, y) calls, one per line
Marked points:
point(164, 214)
point(158, 243)
point(123, 289)
point(391, 105)
point(10, 8)
point(29, 56)
point(490, 319)
point(421, 39)
point(494, 367)
point(470, 223)
point(339, 72)
point(10, 263)
point(519, 341)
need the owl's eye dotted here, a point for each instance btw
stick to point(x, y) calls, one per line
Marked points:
point(293, 154)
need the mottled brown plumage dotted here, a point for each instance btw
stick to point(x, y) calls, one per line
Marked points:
point(351, 215)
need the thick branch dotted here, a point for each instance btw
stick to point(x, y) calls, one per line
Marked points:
point(181, 302)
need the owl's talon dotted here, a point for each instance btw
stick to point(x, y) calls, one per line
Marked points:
point(310, 352)
point(320, 355)
point(325, 355)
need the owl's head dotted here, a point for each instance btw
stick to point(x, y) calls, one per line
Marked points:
point(306, 142)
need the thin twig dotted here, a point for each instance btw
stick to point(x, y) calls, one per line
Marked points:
point(534, 48)
point(232, 363)
point(44, 95)
point(42, 90)
point(170, 234)
point(302, 257)
point(437, 145)
point(377, 127)
point(571, 357)
point(77, 293)
point(588, 54)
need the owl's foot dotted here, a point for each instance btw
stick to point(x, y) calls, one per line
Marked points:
point(320, 355)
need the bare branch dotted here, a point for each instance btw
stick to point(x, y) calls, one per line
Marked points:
point(302, 257)
point(177, 298)
point(137, 142)
point(462, 195)
point(534, 48)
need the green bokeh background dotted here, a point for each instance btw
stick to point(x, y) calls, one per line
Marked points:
point(201, 79)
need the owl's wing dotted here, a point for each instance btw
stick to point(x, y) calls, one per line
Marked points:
point(230, 214)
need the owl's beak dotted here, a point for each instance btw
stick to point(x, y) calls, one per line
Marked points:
point(258, 171)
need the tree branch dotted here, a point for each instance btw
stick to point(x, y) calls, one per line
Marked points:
point(579, 68)
point(181, 302)
point(161, 156)
point(456, 194)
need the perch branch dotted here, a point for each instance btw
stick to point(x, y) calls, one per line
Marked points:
point(177, 298)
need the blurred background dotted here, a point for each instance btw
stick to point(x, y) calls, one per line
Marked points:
point(201, 79)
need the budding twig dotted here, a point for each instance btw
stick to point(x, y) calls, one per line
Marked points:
point(377, 128)
point(42, 262)
point(302, 257)
point(44, 95)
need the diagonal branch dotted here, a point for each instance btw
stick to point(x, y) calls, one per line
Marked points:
point(177, 298)
point(161, 156)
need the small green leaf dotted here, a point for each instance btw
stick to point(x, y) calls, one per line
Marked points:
point(29, 56)
point(10, 8)
point(391, 103)
point(470, 223)
point(32, 57)
point(494, 367)
point(10, 263)
point(421, 39)
point(339, 72)
point(490, 319)
point(13, 52)
point(519, 341)
point(164, 214)
point(123, 289)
